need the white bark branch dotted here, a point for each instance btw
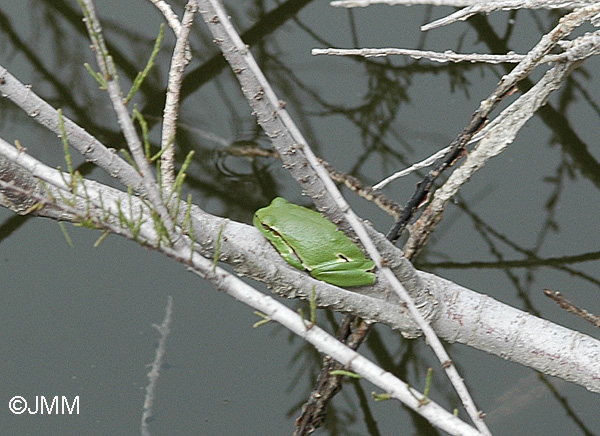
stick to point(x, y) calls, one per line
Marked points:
point(517, 336)
point(170, 16)
point(237, 55)
point(447, 56)
point(462, 315)
point(488, 7)
point(180, 59)
point(224, 281)
point(110, 74)
point(89, 147)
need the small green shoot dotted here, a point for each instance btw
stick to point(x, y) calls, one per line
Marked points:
point(142, 75)
point(381, 397)
point(101, 239)
point(218, 247)
point(137, 115)
point(158, 154)
point(105, 212)
point(313, 306)
point(99, 78)
point(86, 222)
point(65, 142)
point(428, 381)
point(159, 174)
point(265, 319)
point(159, 227)
point(181, 174)
point(34, 208)
point(345, 373)
point(425, 399)
point(128, 158)
point(178, 185)
point(65, 234)
point(187, 224)
point(97, 41)
point(132, 224)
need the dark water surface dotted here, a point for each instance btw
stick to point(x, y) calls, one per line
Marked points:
point(77, 321)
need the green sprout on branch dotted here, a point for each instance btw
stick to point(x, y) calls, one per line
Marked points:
point(142, 74)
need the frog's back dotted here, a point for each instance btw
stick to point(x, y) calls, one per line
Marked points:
point(315, 232)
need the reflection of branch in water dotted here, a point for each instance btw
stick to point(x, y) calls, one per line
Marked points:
point(375, 116)
point(510, 402)
point(533, 259)
point(503, 264)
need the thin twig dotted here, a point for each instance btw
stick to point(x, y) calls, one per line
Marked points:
point(405, 172)
point(447, 56)
point(163, 330)
point(180, 59)
point(367, 192)
point(133, 141)
point(170, 16)
point(257, 89)
point(365, 3)
point(504, 5)
point(570, 307)
point(529, 4)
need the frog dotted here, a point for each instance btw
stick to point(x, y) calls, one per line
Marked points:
point(310, 242)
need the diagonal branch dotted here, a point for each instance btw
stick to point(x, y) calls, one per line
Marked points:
point(463, 316)
point(230, 284)
point(89, 147)
point(180, 59)
point(507, 84)
point(260, 95)
point(503, 5)
point(495, 138)
point(108, 69)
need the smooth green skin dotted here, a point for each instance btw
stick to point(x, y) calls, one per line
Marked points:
point(309, 241)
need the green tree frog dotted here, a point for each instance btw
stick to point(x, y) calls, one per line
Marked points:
point(309, 241)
